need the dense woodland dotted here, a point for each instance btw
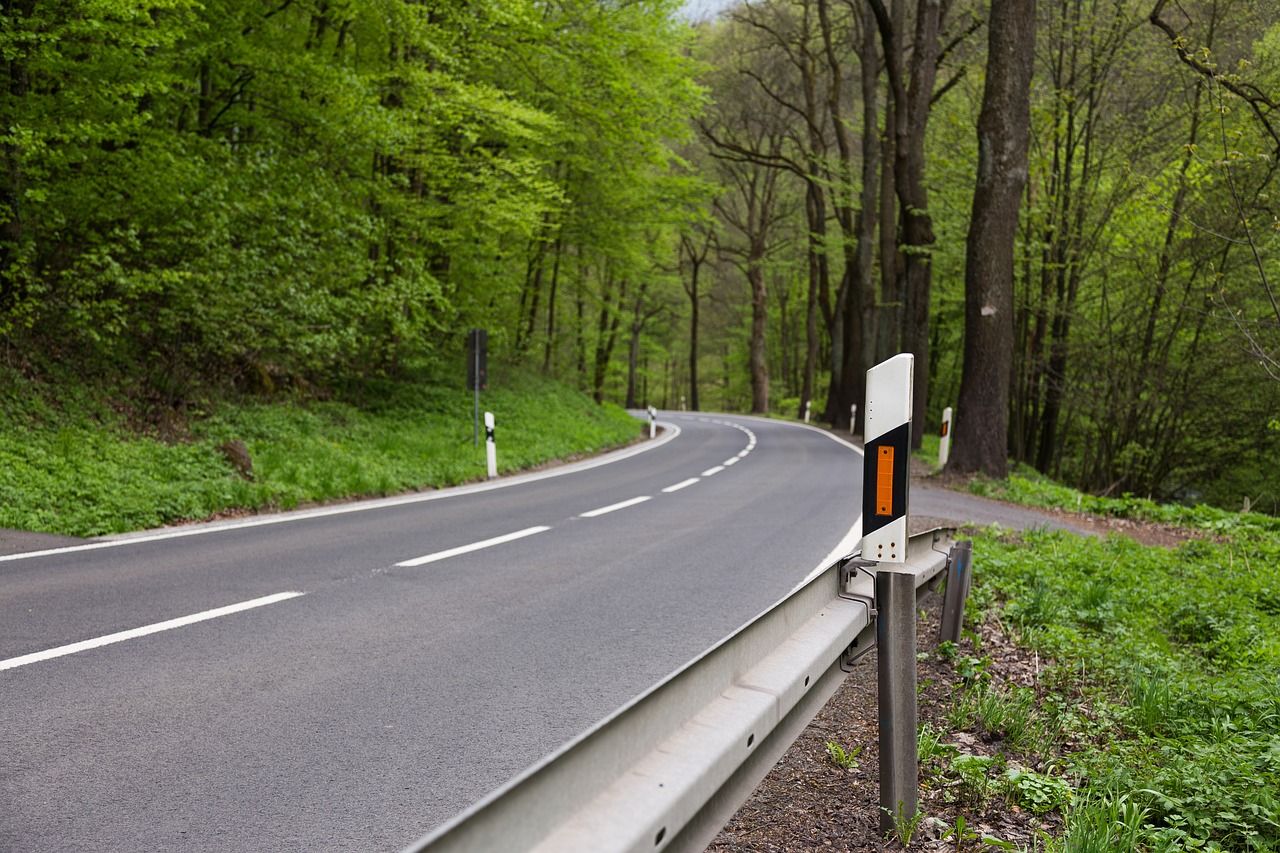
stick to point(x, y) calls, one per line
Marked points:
point(741, 213)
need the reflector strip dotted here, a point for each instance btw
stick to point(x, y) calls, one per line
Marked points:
point(884, 481)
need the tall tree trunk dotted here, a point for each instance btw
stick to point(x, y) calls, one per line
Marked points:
point(816, 208)
point(867, 219)
point(607, 334)
point(981, 424)
point(850, 323)
point(916, 235)
point(549, 346)
point(529, 296)
point(639, 319)
point(17, 82)
point(889, 328)
point(759, 326)
point(697, 257)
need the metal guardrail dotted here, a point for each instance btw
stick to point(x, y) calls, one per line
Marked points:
point(667, 771)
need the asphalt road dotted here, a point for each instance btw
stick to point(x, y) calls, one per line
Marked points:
point(346, 679)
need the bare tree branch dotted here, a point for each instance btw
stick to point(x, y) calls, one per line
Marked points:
point(1261, 104)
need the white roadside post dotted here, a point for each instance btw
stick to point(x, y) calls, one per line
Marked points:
point(653, 422)
point(807, 405)
point(490, 446)
point(853, 418)
point(944, 443)
point(682, 402)
point(887, 444)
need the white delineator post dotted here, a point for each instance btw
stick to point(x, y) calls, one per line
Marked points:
point(853, 418)
point(887, 445)
point(653, 422)
point(807, 405)
point(491, 448)
point(944, 443)
point(887, 442)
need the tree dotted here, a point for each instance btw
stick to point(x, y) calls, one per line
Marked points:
point(1003, 132)
point(912, 92)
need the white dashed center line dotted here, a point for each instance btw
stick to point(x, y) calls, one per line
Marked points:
point(474, 546)
point(681, 485)
point(134, 633)
point(622, 505)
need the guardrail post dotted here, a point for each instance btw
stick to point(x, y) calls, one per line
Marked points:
point(896, 652)
point(958, 581)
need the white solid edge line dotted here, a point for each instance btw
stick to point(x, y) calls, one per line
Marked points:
point(712, 471)
point(134, 633)
point(672, 431)
point(612, 507)
point(474, 546)
point(681, 485)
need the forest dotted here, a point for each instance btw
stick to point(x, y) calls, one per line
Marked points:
point(739, 213)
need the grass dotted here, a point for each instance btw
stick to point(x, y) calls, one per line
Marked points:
point(70, 464)
point(1161, 686)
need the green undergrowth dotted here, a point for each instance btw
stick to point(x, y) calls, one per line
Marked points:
point(70, 463)
point(1160, 686)
point(1032, 489)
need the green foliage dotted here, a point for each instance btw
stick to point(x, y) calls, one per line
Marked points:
point(844, 760)
point(1105, 822)
point(1031, 489)
point(929, 744)
point(70, 465)
point(973, 772)
point(905, 825)
point(1034, 792)
point(1163, 664)
point(195, 195)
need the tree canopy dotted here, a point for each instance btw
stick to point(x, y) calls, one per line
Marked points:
point(741, 213)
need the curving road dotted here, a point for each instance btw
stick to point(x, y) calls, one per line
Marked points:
point(347, 678)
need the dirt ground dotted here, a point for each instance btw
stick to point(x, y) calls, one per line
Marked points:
point(808, 803)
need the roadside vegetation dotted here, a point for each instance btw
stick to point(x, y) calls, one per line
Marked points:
point(1145, 713)
point(85, 463)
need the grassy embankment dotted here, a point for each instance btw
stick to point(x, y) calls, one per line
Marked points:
point(1155, 721)
point(71, 464)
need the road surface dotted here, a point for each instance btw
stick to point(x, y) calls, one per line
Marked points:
point(347, 678)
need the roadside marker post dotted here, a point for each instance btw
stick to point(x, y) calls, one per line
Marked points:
point(887, 446)
point(807, 405)
point(653, 422)
point(853, 418)
point(491, 447)
point(944, 442)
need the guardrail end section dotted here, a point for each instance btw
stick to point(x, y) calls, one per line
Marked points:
point(958, 581)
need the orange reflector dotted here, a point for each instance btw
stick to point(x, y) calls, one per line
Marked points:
point(884, 481)
point(946, 425)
